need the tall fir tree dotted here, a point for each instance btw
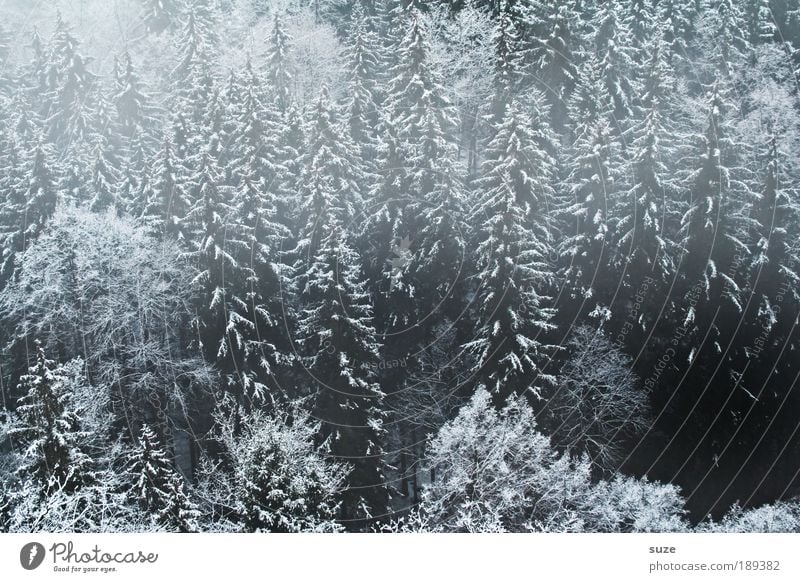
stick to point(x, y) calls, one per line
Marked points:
point(342, 357)
point(253, 135)
point(415, 93)
point(255, 350)
point(279, 75)
point(364, 68)
point(331, 179)
point(774, 261)
point(54, 459)
point(513, 318)
point(553, 33)
point(12, 205)
point(134, 175)
point(611, 42)
point(70, 89)
point(212, 240)
point(134, 108)
point(726, 33)
point(167, 198)
point(715, 225)
point(198, 40)
point(680, 19)
point(508, 55)
point(105, 178)
point(762, 26)
point(644, 216)
point(588, 192)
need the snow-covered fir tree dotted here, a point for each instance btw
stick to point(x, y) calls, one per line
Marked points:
point(197, 41)
point(28, 203)
point(157, 487)
point(589, 189)
point(54, 460)
point(331, 178)
point(611, 43)
point(277, 58)
point(643, 216)
point(70, 88)
point(135, 110)
point(254, 130)
point(166, 197)
point(280, 480)
point(513, 318)
point(417, 103)
point(714, 227)
point(341, 360)
point(364, 62)
point(552, 30)
point(105, 179)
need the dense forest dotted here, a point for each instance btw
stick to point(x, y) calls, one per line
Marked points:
point(395, 266)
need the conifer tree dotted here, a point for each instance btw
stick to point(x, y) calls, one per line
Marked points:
point(613, 47)
point(105, 180)
point(70, 89)
point(289, 161)
point(73, 174)
point(198, 40)
point(680, 29)
point(437, 268)
point(589, 189)
point(761, 22)
point(134, 110)
point(713, 229)
point(5, 82)
point(341, 360)
point(383, 232)
point(134, 176)
point(40, 197)
point(211, 241)
point(54, 460)
point(507, 62)
point(253, 133)
point(255, 351)
point(726, 33)
point(331, 179)
point(364, 63)
point(513, 318)
point(643, 21)
point(773, 257)
point(644, 216)
point(553, 32)
point(12, 205)
point(167, 198)
point(415, 93)
point(158, 488)
point(278, 74)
